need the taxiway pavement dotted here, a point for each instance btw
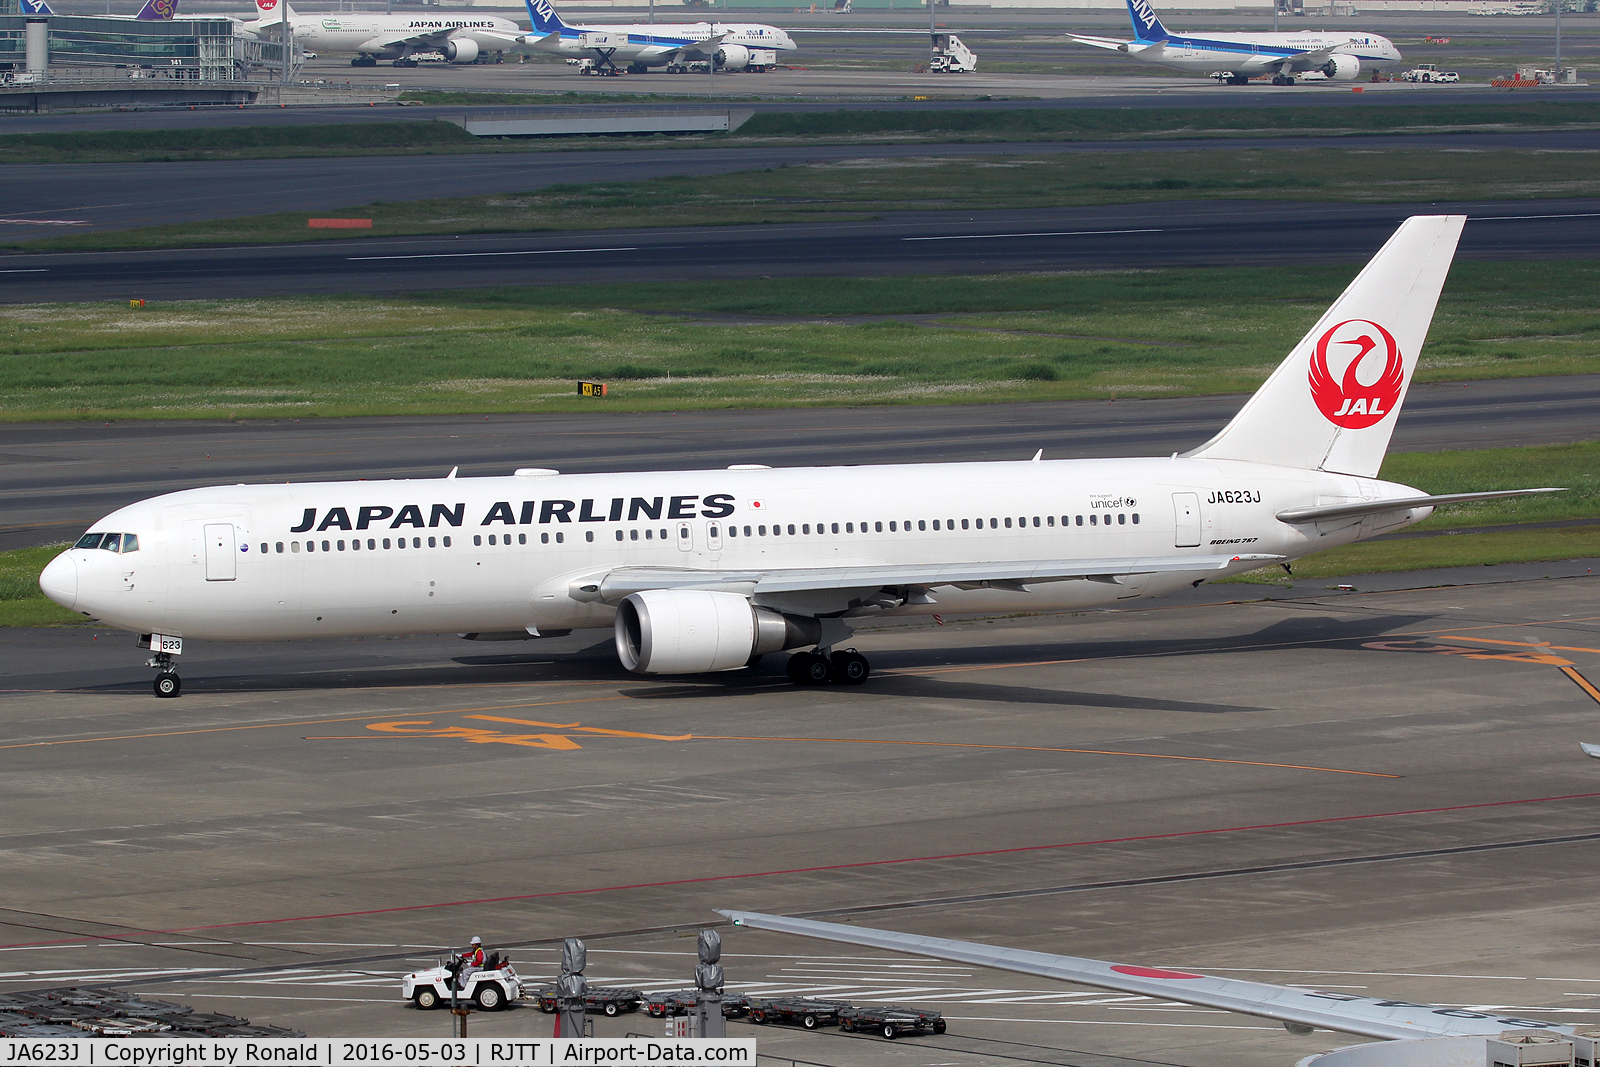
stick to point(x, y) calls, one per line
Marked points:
point(1377, 793)
point(57, 478)
point(1195, 233)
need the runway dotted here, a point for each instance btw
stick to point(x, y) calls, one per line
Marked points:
point(57, 478)
point(1343, 791)
point(87, 197)
point(1092, 238)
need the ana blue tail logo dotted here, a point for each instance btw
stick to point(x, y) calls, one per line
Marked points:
point(544, 17)
point(1146, 26)
point(36, 7)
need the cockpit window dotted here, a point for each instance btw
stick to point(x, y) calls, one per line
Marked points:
point(130, 543)
point(89, 540)
point(112, 543)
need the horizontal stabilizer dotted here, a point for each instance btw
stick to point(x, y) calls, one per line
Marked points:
point(1111, 43)
point(1345, 1012)
point(1378, 507)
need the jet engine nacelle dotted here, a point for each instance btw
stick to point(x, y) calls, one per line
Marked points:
point(1342, 68)
point(461, 50)
point(691, 631)
point(733, 57)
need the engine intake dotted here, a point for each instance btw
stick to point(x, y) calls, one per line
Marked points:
point(733, 57)
point(1342, 68)
point(693, 631)
point(461, 50)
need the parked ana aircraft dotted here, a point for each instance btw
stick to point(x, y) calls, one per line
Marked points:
point(1340, 56)
point(705, 570)
point(645, 45)
point(1300, 1009)
point(372, 36)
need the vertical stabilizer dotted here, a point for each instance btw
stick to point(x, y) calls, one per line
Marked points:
point(273, 10)
point(544, 17)
point(1146, 26)
point(1332, 404)
point(158, 10)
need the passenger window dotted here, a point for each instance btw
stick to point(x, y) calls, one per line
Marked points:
point(294, 546)
point(762, 530)
point(355, 546)
point(1136, 518)
point(994, 524)
point(561, 538)
point(477, 539)
point(446, 543)
point(386, 542)
point(1094, 520)
point(663, 534)
point(263, 548)
point(544, 539)
point(619, 535)
point(733, 531)
point(311, 546)
point(805, 528)
point(935, 524)
point(435, 544)
point(588, 535)
point(1008, 522)
point(399, 542)
point(89, 541)
point(835, 527)
point(791, 529)
point(922, 524)
point(280, 548)
point(1036, 520)
point(1122, 520)
point(633, 535)
point(341, 546)
point(963, 524)
point(849, 527)
point(892, 528)
point(416, 542)
point(491, 540)
point(1049, 520)
point(1080, 520)
point(877, 527)
point(371, 544)
point(324, 546)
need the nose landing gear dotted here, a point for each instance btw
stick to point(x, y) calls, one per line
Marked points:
point(167, 682)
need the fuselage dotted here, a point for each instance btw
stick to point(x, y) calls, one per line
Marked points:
point(368, 32)
point(1257, 53)
point(503, 554)
point(657, 43)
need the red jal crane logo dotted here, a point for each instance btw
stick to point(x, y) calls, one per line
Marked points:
point(1349, 402)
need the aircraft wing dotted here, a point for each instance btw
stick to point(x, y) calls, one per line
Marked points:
point(1112, 43)
point(1317, 55)
point(619, 583)
point(1378, 507)
point(1296, 1008)
point(437, 38)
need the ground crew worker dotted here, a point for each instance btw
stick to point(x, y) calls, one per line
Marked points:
point(471, 961)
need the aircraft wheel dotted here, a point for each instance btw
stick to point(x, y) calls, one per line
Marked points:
point(850, 668)
point(808, 668)
point(168, 684)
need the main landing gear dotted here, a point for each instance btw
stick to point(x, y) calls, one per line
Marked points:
point(168, 683)
point(846, 667)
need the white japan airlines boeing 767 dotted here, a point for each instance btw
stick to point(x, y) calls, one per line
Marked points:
point(705, 570)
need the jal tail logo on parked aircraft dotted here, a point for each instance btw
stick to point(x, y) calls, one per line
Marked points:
point(266, 5)
point(1357, 344)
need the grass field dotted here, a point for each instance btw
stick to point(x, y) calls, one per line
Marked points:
point(812, 341)
point(865, 188)
point(1577, 466)
point(931, 124)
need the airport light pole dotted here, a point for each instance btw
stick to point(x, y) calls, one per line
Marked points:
point(1558, 42)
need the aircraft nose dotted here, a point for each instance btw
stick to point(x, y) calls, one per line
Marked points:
point(59, 580)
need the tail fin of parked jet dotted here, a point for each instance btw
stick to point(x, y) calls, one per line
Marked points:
point(1146, 26)
point(544, 17)
point(269, 11)
point(158, 10)
point(1332, 404)
point(36, 7)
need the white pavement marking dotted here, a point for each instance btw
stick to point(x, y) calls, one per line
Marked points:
point(1051, 233)
point(1515, 218)
point(468, 255)
point(32, 270)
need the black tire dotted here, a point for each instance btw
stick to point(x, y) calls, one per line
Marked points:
point(847, 1025)
point(850, 668)
point(489, 997)
point(938, 1026)
point(809, 1022)
point(758, 1017)
point(168, 684)
point(611, 1008)
point(808, 668)
point(426, 998)
point(889, 1030)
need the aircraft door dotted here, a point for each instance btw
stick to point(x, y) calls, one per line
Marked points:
point(221, 552)
point(714, 535)
point(685, 537)
point(1186, 515)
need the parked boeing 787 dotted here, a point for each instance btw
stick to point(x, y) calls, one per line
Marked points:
point(706, 570)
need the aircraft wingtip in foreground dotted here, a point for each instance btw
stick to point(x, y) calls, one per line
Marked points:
point(1238, 57)
point(1300, 1009)
point(699, 571)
